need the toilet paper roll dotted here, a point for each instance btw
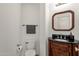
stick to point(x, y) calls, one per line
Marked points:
point(19, 48)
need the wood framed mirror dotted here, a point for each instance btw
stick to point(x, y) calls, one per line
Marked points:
point(63, 21)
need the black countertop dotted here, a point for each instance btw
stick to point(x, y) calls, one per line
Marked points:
point(65, 41)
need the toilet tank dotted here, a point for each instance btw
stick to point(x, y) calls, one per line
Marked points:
point(30, 44)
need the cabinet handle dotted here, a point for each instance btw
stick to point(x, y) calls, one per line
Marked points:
point(76, 49)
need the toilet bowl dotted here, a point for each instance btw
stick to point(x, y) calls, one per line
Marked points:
point(30, 48)
point(30, 53)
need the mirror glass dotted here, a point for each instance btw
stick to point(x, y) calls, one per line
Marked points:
point(63, 21)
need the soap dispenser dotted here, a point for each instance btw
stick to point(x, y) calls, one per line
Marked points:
point(71, 37)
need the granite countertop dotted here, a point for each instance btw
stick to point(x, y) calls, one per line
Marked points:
point(66, 41)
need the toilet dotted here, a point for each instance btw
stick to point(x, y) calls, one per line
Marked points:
point(30, 48)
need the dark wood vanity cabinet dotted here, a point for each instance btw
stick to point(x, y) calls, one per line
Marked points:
point(58, 48)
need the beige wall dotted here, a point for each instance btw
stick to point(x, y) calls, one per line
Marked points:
point(9, 28)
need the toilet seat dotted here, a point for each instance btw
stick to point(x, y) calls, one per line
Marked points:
point(30, 53)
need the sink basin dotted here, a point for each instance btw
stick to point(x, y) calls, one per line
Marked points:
point(61, 40)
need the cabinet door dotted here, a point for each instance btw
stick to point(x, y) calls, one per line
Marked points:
point(58, 52)
point(61, 49)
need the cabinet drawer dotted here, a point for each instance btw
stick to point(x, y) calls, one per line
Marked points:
point(60, 44)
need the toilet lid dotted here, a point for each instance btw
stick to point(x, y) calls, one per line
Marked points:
point(30, 53)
